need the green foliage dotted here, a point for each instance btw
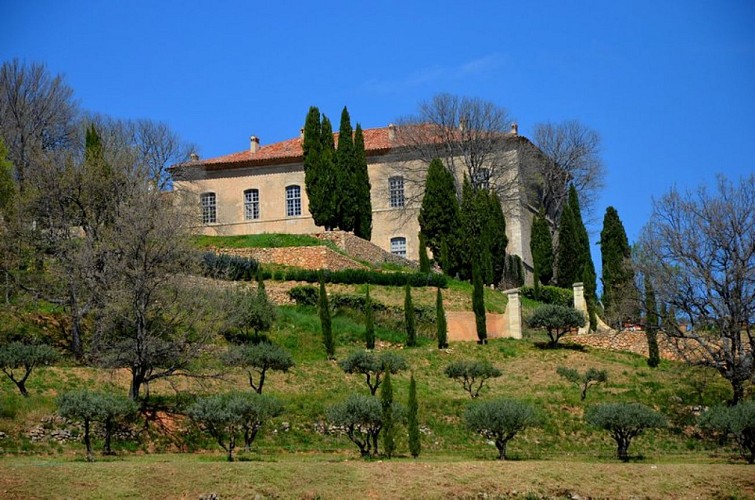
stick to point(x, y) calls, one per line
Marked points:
point(226, 417)
point(424, 260)
point(549, 295)
point(259, 359)
point(386, 402)
point(441, 325)
point(373, 366)
point(320, 174)
point(346, 172)
point(583, 380)
point(651, 325)
point(500, 420)
point(363, 215)
point(556, 320)
point(7, 183)
point(304, 295)
point(624, 421)
point(369, 321)
point(568, 252)
point(478, 304)
point(263, 240)
point(541, 246)
point(249, 313)
point(439, 213)
point(18, 360)
point(739, 421)
point(229, 267)
point(472, 375)
point(363, 276)
point(361, 417)
point(411, 328)
point(513, 274)
point(615, 256)
point(325, 323)
point(412, 424)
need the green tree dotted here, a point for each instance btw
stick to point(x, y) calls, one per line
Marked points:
point(472, 375)
point(84, 406)
point(325, 322)
point(424, 260)
point(361, 417)
point(18, 360)
point(411, 328)
point(586, 267)
point(257, 360)
point(651, 325)
point(541, 246)
point(478, 304)
point(500, 420)
point(440, 322)
point(363, 220)
point(386, 402)
point(369, 321)
point(373, 367)
point(320, 175)
point(7, 184)
point(439, 213)
point(583, 380)
point(348, 198)
point(496, 231)
point(568, 256)
point(415, 442)
point(114, 408)
point(248, 314)
point(738, 421)
point(556, 320)
point(618, 276)
point(624, 421)
point(474, 214)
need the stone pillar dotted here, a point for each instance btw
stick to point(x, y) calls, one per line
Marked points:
point(580, 304)
point(514, 313)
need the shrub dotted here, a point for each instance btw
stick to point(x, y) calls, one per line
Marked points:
point(259, 358)
point(228, 267)
point(549, 295)
point(500, 420)
point(373, 366)
point(248, 313)
point(624, 421)
point(304, 295)
point(739, 421)
point(18, 360)
point(556, 320)
point(472, 375)
point(583, 380)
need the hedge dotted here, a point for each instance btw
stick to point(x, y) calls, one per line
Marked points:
point(550, 295)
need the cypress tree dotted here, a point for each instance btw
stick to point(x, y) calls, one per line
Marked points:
point(312, 149)
point(478, 304)
point(325, 322)
point(498, 239)
point(261, 292)
point(369, 321)
point(386, 401)
point(363, 221)
point(615, 254)
point(411, 330)
point(541, 246)
point(473, 246)
point(587, 271)
point(439, 213)
point(329, 179)
point(440, 322)
point(346, 172)
point(651, 325)
point(568, 264)
point(424, 260)
point(415, 444)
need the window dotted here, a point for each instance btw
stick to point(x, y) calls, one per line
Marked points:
point(293, 201)
point(396, 191)
point(209, 209)
point(481, 178)
point(251, 204)
point(398, 246)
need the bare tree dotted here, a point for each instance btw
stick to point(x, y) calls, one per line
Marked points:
point(567, 153)
point(698, 250)
point(37, 115)
point(470, 135)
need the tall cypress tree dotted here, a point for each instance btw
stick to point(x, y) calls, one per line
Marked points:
point(473, 247)
point(424, 260)
point(412, 422)
point(346, 171)
point(411, 329)
point(498, 239)
point(587, 271)
point(541, 246)
point(320, 180)
point(369, 321)
point(440, 322)
point(325, 322)
point(568, 262)
point(651, 325)
point(363, 221)
point(386, 401)
point(478, 304)
point(329, 181)
point(615, 254)
point(439, 213)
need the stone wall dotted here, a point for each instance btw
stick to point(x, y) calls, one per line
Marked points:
point(462, 326)
point(364, 250)
point(314, 257)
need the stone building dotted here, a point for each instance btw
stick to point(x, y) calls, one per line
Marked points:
point(261, 190)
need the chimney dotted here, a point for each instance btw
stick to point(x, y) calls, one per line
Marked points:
point(301, 133)
point(254, 144)
point(391, 132)
point(514, 129)
point(463, 124)
point(194, 157)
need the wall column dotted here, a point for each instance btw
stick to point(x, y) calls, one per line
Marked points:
point(514, 313)
point(580, 305)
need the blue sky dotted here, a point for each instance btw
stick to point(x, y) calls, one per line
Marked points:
point(670, 85)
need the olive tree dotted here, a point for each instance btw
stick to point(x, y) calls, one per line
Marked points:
point(697, 249)
point(361, 417)
point(739, 421)
point(624, 421)
point(259, 359)
point(556, 320)
point(373, 366)
point(472, 375)
point(500, 420)
point(584, 380)
point(18, 360)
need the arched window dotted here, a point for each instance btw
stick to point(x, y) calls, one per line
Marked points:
point(398, 246)
point(251, 204)
point(396, 191)
point(209, 208)
point(293, 201)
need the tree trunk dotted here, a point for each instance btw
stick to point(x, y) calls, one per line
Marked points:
point(623, 450)
point(501, 445)
point(88, 441)
point(21, 384)
point(137, 379)
point(739, 392)
point(108, 435)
